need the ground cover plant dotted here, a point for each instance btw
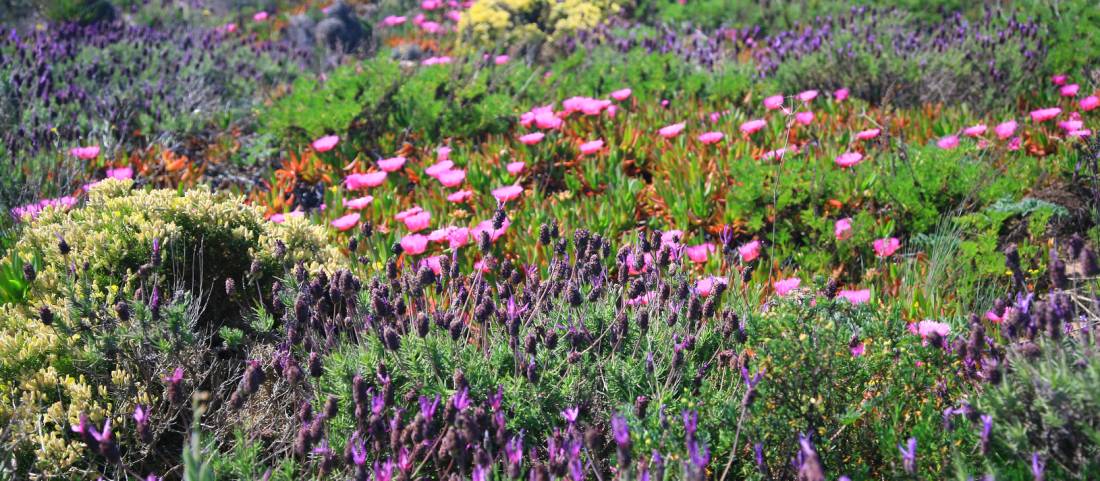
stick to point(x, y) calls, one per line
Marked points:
point(548, 240)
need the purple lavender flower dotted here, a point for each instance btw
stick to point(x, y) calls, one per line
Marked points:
point(378, 403)
point(909, 455)
point(481, 473)
point(461, 399)
point(358, 450)
point(141, 418)
point(1037, 466)
point(621, 430)
point(428, 406)
point(987, 427)
point(758, 454)
point(570, 414)
point(383, 471)
point(691, 422)
point(496, 399)
point(513, 449)
point(700, 456)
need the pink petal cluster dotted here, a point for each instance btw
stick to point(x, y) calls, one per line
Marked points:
point(855, 297)
point(621, 94)
point(1089, 103)
point(753, 126)
point(120, 173)
point(589, 148)
point(868, 134)
point(460, 196)
point(749, 251)
point(585, 105)
point(31, 211)
point(974, 131)
point(886, 247)
point(542, 118)
point(392, 164)
point(515, 168)
point(346, 222)
point(452, 178)
point(1042, 115)
point(1005, 129)
point(414, 244)
point(359, 181)
point(785, 286)
point(948, 143)
point(85, 153)
point(358, 203)
point(775, 102)
point(532, 138)
point(804, 118)
point(848, 159)
point(507, 193)
point(840, 95)
point(326, 143)
point(393, 21)
point(706, 286)
point(671, 131)
point(699, 253)
point(711, 137)
point(842, 230)
point(807, 96)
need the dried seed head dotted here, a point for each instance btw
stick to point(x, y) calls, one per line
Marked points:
point(230, 286)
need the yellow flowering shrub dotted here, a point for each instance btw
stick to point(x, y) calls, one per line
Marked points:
point(493, 23)
point(50, 375)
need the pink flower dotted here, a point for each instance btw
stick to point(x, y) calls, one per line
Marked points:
point(1069, 90)
point(280, 218)
point(401, 216)
point(840, 94)
point(753, 126)
point(346, 222)
point(441, 234)
point(974, 131)
point(392, 164)
point(848, 159)
point(886, 247)
point(778, 153)
point(230, 27)
point(647, 261)
point(642, 300)
point(711, 137)
point(442, 153)
point(456, 16)
point(430, 5)
point(589, 148)
point(928, 328)
point(1014, 144)
point(433, 263)
point(431, 27)
point(1005, 129)
point(948, 143)
point(611, 110)
point(487, 226)
point(438, 168)
point(857, 350)
point(515, 168)
point(1089, 103)
point(532, 138)
point(393, 21)
point(868, 134)
point(359, 181)
point(807, 96)
point(855, 297)
point(671, 131)
point(121, 173)
point(672, 237)
point(260, 16)
point(326, 143)
point(436, 60)
point(749, 251)
point(458, 237)
point(452, 178)
point(775, 102)
point(1069, 125)
point(501, 59)
point(706, 286)
point(842, 230)
point(1043, 115)
point(698, 254)
point(621, 94)
point(1059, 79)
point(507, 193)
point(804, 118)
point(414, 244)
point(1079, 133)
point(418, 221)
point(784, 286)
point(85, 153)
point(460, 196)
point(358, 204)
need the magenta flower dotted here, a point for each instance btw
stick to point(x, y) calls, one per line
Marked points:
point(785, 286)
point(1005, 129)
point(621, 94)
point(698, 254)
point(1089, 103)
point(928, 328)
point(774, 102)
point(359, 181)
point(749, 251)
point(975, 130)
point(778, 153)
point(500, 59)
point(711, 137)
point(418, 221)
point(886, 247)
point(753, 126)
point(121, 173)
point(460, 196)
point(671, 131)
point(438, 168)
point(848, 159)
point(458, 237)
point(487, 226)
point(570, 414)
point(414, 244)
point(260, 16)
point(807, 96)
point(1069, 90)
point(948, 143)
point(589, 148)
point(804, 118)
point(393, 21)
point(392, 164)
point(452, 178)
point(842, 230)
point(359, 203)
point(85, 153)
point(706, 286)
point(532, 138)
point(868, 134)
point(507, 193)
point(840, 95)
point(1059, 79)
point(346, 222)
point(855, 297)
point(433, 263)
point(515, 168)
point(442, 153)
point(1042, 115)
point(326, 143)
